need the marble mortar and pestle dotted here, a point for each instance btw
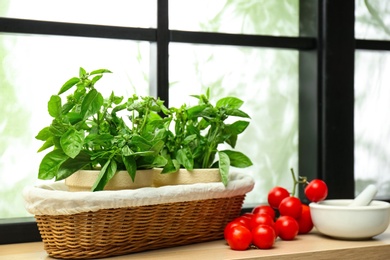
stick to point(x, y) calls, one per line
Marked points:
point(352, 219)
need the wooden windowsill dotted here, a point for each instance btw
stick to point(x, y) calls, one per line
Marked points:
point(310, 246)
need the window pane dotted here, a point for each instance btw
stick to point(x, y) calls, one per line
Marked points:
point(372, 124)
point(34, 68)
point(276, 17)
point(372, 19)
point(267, 81)
point(130, 13)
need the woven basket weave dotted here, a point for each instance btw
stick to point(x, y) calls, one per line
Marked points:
point(110, 232)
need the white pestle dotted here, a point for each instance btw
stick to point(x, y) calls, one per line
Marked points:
point(365, 197)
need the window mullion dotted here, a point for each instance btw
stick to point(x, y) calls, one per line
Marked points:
point(326, 98)
point(309, 94)
point(11, 25)
point(337, 91)
point(163, 50)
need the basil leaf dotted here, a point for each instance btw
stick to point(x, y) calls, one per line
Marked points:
point(100, 71)
point(67, 107)
point(50, 164)
point(232, 131)
point(157, 146)
point(91, 103)
point(237, 112)
point(171, 166)
point(82, 72)
point(131, 165)
point(57, 128)
point(200, 111)
point(232, 140)
point(141, 142)
point(229, 102)
point(70, 83)
point(159, 161)
point(117, 100)
point(224, 163)
point(71, 166)
point(72, 142)
point(74, 117)
point(184, 157)
point(44, 134)
point(95, 79)
point(105, 175)
point(237, 127)
point(126, 151)
point(54, 106)
point(49, 143)
point(238, 159)
point(189, 139)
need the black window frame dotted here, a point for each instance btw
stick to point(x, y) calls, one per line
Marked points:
point(326, 46)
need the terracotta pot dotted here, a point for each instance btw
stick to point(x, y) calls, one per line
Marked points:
point(184, 176)
point(84, 180)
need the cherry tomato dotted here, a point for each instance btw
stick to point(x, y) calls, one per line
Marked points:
point(276, 195)
point(264, 209)
point(291, 206)
point(245, 221)
point(239, 238)
point(316, 190)
point(247, 215)
point(305, 223)
point(287, 227)
point(261, 219)
point(226, 231)
point(263, 236)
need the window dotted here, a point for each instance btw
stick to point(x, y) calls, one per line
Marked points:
point(35, 70)
point(228, 70)
point(261, 17)
point(224, 68)
point(280, 52)
point(372, 130)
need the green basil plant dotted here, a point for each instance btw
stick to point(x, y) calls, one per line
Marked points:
point(198, 131)
point(87, 133)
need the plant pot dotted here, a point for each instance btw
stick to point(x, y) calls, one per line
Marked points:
point(83, 180)
point(183, 176)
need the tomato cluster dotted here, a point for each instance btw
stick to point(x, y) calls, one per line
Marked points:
point(256, 228)
point(261, 228)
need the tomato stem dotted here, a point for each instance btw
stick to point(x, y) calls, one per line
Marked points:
point(295, 182)
point(302, 180)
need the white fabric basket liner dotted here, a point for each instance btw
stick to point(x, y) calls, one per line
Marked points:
point(55, 199)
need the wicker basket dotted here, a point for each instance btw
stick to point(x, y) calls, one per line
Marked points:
point(119, 231)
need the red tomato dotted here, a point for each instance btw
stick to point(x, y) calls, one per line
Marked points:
point(305, 223)
point(247, 215)
point(227, 232)
point(287, 227)
point(276, 195)
point(245, 221)
point(316, 190)
point(239, 238)
point(264, 209)
point(263, 236)
point(291, 206)
point(261, 219)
